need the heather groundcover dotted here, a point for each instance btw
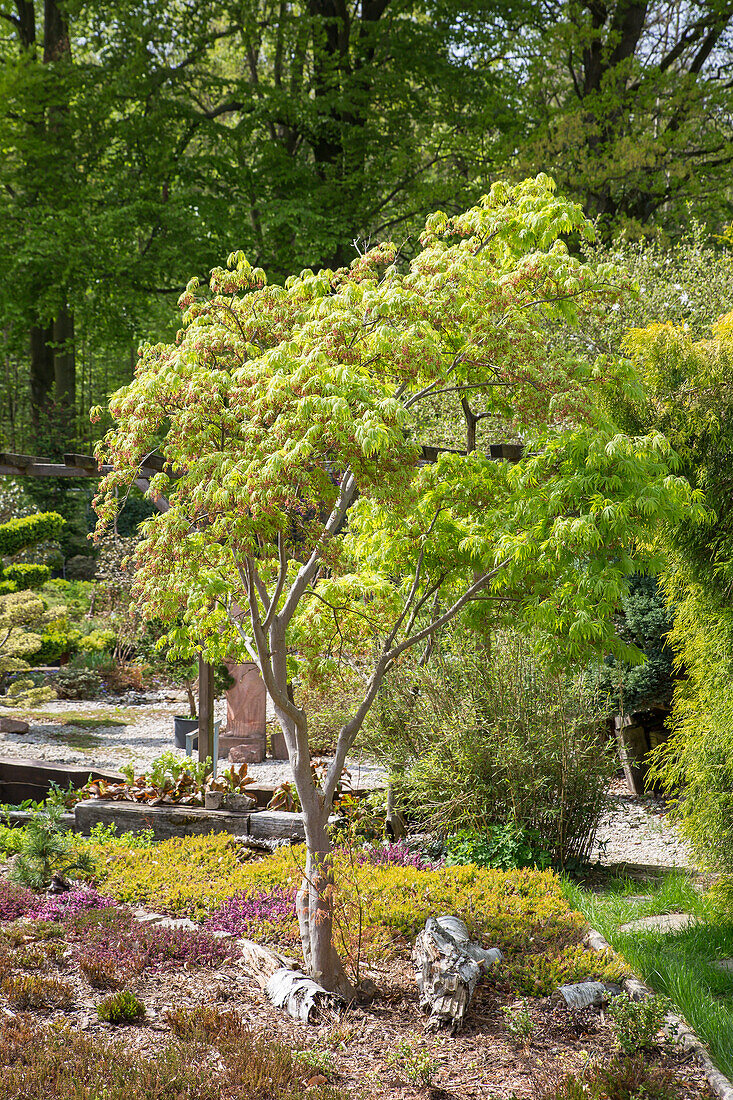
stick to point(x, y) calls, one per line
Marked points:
point(97, 1001)
point(383, 899)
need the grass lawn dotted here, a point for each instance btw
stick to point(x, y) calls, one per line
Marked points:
point(677, 963)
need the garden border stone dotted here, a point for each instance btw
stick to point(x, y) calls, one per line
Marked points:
point(675, 1026)
point(175, 820)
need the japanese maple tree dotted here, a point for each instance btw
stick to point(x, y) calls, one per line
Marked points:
point(305, 522)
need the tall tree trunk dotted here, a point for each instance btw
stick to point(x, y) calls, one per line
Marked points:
point(42, 373)
point(52, 353)
point(64, 372)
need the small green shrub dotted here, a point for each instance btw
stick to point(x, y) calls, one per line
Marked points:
point(413, 1063)
point(315, 1060)
point(121, 1008)
point(45, 850)
point(11, 840)
point(504, 846)
point(56, 644)
point(18, 534)
point(637, 1023)
point(77, 683)
point(26, 577)
point(518, 1022)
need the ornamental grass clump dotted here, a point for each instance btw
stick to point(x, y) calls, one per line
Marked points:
point(509, 747)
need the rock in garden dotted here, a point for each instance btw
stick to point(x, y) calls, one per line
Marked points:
point(13, 725)
point(245, 754)
point(584, 994)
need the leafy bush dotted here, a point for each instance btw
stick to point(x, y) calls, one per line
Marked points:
point(26, 577)
point(485, 742)
point(121, 1008)
point(518, 1022)
point(504, 846)
point(97, 641)
point(637, 1023)
point(17, 534)
point(11, 840)
point(77, 683)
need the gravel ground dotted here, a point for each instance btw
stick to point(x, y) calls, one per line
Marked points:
point(638, 830)
point(131, 730)
point(139, 728)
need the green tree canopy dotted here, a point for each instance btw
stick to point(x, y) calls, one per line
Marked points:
point(303, 516)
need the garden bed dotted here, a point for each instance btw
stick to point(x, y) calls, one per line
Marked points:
point(207, 1026)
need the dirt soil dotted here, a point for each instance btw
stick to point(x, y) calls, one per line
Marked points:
point(482, 1061)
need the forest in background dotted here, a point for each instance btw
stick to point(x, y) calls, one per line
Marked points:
point(142, 142)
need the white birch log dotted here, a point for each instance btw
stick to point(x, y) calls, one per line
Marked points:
point(287, 986)
point(448, 966)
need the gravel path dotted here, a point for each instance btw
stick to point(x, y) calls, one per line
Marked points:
point(131, 730)
point(638, 830)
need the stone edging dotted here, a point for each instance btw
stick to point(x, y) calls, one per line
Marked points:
point(675, 1026)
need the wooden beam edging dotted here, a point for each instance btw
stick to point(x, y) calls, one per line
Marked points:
point(675, 1026)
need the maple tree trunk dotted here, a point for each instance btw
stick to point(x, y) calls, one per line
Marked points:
point(314, 901)
point(41, 374)
point(52, 353)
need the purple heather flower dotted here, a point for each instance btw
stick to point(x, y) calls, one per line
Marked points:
point(243, 913)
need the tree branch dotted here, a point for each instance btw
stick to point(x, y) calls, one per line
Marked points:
point(308, 571)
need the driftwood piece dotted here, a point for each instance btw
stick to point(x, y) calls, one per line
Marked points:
point(448, 966)
point(287, 986)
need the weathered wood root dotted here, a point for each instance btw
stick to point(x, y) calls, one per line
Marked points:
point(448, 966)
point(287, 986)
